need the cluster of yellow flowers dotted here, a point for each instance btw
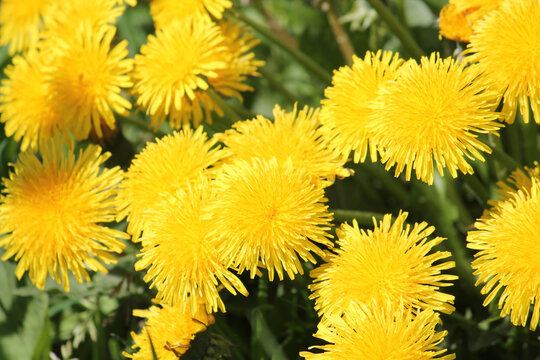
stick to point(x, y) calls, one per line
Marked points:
point(253, 198)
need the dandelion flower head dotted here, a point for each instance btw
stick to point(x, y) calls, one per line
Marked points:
point(70, 14)
point(129, 2)
point(229, 80)
point(240, 60)
point(165, 12)
point(459, 16)
point(433, 113)
point(381, 333)
point(87, 77)
point(52, 213)
point(454, 25)
point(388, 264)
point(292, 135)
point(26, 105)
point(345, 111)
point(171, 331)
point(270, 214)
point(161, 169)
point(518, 180)
point(506, 233)
point(505, 45)
point(22, 21)
point(204, 55)
point(175, 64)
point(182, 260)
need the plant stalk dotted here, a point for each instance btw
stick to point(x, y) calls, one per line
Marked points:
point(401, 32)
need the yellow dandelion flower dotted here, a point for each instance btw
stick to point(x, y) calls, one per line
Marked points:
point(241, 62)
point(204, 55)
point(171, 331)
point(390, 263)
point(52, 213)
point(163, 168)
point(269, 214)
point(458, 17)
point(346, 113)
point(26, 105)
point(508, 258)
point(380, 334)
point(505, 45)
point(87, 77)
point(480, 7)
point(182, 260)
point(174, 64)
point(69, 14)
point(518, 180)
point(292, 135)
point(165, 12)
point(433, 113)
point(454, 24)
point(21, 22)
point(229, 82)
point(129, 2)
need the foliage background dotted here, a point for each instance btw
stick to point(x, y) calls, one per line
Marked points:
point(277, 320)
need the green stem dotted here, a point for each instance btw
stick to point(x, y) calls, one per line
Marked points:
point(389, 182)
point(401, 32)
point(278, 85)
point(530, 142)
point(364, 218)
point(504, 159)
point(302, 58)
point(438, 213)
point(342, 38)
point(514, 141)
point(227, 110)
point(464, 215)
point(477, 187)
point(140, 124)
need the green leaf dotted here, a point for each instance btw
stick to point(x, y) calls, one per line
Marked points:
point(21, 330)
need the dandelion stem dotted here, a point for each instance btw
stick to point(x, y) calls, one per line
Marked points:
point(140, 124)
point(514, 148)
point(342, 38)
point(530, 143)
point(464, 215)
point(302, 58)
point(477, 187)
point(278, 85)
point(362, 217)
point(389, 182)
point(229, 112)
point(440, 214)
point(401, 32)
point(505, 159)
